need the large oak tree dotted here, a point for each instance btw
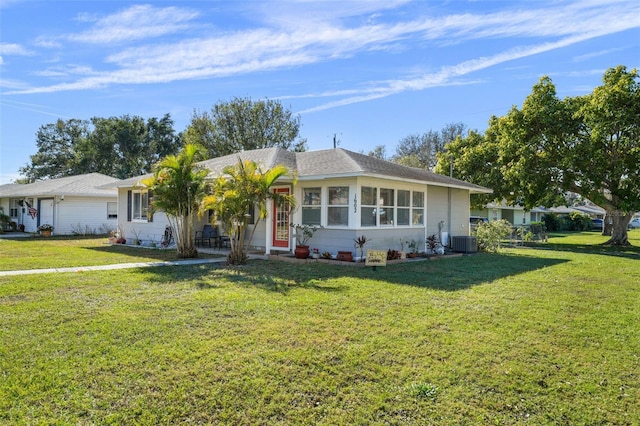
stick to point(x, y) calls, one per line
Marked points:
point(244, 124)
point(589, 145)
point(116, 146)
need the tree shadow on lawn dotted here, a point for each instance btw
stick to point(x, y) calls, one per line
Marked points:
point(629, 252)
point(161, 254)
point(446, 274)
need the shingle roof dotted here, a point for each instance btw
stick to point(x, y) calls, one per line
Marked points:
point(338, 161)
point(328, 163)
point(80, 185)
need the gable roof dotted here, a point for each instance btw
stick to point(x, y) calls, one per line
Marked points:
point(80, 185)
point(328, 163)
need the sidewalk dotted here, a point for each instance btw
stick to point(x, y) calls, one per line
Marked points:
point(111, 267)
point(126, 265)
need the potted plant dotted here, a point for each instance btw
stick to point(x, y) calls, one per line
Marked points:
point(303, 234)
point(434, 246)
point(413, 249)
point(315, 253)
point(345, 255)
point(360, 243)
point(45, 229)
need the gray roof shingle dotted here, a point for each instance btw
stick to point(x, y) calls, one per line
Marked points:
point(80, 185)
point(327, 163)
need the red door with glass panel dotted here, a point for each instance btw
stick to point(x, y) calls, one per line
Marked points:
point(281, 221)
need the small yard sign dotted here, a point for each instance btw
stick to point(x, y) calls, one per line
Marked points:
point(376, 258)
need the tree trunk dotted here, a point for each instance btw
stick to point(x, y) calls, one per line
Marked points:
point(619, 236)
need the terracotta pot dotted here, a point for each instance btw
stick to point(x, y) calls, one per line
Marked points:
point(45, 233)
point(345, 256)
point(301, 252)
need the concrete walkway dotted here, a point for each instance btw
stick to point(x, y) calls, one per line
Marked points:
point(111, 267)
point(131, 265)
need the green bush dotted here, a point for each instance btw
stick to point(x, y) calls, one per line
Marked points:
point(491, 234)
point(551, 221)
point(578, 222)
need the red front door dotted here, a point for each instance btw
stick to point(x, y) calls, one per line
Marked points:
point(281, 221)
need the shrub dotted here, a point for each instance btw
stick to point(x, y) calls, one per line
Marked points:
point(490, 234)
point(551, 221)
point(579, 222)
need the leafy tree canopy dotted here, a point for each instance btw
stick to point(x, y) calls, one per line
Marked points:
point(243, 187)
point(421, 150)
point(589, 145)
point(117, 146)
point(245, 124)
point(179, 186)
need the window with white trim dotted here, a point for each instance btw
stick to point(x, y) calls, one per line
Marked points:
point(404, 204)
point(311, 206)
point(369, 205)
point(140, 205)
point(338, 209)
point(14, 207)
point(112, 210)
point(387, 204)
point(417, 209)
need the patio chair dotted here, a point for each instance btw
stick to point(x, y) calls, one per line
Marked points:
point(207, 237)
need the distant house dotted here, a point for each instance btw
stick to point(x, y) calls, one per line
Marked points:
point(347, 193)
point(71, 204)
point(516, 215)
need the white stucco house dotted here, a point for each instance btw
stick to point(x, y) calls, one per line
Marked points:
point(346, 193)
point(73, 204)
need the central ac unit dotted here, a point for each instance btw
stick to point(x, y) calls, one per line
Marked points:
point(464, 244)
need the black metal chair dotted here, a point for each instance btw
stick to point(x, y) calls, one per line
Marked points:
point(207, 237)
point(168, 236)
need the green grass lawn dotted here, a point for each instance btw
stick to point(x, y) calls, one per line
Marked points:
point(535, 335)
point(66, 251)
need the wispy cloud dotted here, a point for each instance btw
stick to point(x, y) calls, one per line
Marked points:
point(445, 76)
point(13, 49)
point(135, 23)
point(277, 46)
point(592, 55)
point(23, 106)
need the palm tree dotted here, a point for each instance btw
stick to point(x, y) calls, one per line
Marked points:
point(235, 193)
point(179, 186)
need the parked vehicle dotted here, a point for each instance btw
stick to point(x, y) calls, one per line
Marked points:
point(635, 223)
point(475, 220)
point(596, 224)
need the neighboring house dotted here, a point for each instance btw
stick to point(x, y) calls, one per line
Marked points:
point(592, 211)
point(347, 193)
point(516, 215)
point(71, 204)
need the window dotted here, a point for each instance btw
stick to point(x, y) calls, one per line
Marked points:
point(112, 210)
point(252, 215)
point(311, 206)
point(417, 211)
point(338, 210)
point(386, 206)
point(140, 206)
point(368, 200)
point(404, 204)
point(13, 207)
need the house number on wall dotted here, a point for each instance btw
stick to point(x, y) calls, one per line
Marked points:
point(355, 203)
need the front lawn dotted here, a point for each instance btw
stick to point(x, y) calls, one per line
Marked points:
point(69, 251)
point(544, 335)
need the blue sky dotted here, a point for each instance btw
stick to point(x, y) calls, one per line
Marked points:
point(370, 72)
